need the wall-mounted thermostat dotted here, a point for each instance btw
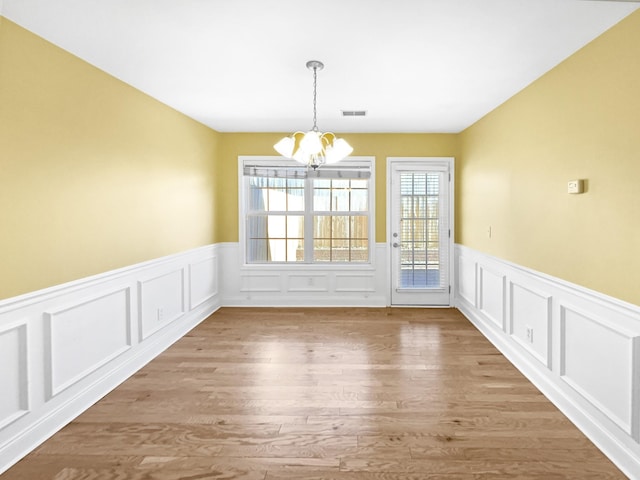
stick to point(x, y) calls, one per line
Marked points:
point(575, 186)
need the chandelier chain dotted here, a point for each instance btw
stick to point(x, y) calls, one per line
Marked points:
point(315, 94)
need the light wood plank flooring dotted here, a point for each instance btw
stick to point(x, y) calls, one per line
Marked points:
point(345, 394)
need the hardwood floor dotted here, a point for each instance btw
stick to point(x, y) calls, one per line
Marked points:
point(340, 393)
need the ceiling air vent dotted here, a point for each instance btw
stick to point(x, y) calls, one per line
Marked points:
point(354, 113)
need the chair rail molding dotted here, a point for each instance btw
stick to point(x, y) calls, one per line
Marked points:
point(578, 346)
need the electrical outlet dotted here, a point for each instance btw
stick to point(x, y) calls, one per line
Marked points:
point(160, 314)
point(530, 334)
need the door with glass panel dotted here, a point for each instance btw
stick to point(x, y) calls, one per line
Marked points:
point(420, 231)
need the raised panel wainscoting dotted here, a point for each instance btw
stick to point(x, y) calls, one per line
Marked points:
point(63, 348)
point(579, 347)
point(303, 285)
point(14, 372)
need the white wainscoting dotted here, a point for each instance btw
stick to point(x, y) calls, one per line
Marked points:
point(298, 285)
point(82, 337)
point(579, 347)
point(14, 372)
point(65, 347)
point(161, 300)
point(203, 281)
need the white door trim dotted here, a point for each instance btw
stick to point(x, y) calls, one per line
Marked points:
point(450, 163)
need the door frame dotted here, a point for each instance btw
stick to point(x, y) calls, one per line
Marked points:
point(422, 161)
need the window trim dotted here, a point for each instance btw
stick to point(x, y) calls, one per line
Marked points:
point(353, 161)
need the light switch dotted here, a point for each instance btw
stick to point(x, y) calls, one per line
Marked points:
point(575, 186)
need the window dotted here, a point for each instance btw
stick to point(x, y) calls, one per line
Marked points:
point(419, 229)
point(294, 215)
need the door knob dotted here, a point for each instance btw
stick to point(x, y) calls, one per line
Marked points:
point(395, 245)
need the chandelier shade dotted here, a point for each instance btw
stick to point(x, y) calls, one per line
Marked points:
point(314, 148)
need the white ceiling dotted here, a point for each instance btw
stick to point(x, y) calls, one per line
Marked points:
point(239, 65)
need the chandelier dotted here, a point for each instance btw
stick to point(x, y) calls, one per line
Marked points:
point(314, 148)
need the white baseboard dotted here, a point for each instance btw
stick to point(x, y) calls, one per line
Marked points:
point(92, 334)
point(579, 347)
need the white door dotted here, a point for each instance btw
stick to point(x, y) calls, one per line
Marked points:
point(420, 236)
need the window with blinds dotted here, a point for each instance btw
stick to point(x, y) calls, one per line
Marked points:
point(295, 215)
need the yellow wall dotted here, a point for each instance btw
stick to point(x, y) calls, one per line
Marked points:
point(94, 175)
point(379, 145)
point(580, 120)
